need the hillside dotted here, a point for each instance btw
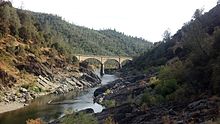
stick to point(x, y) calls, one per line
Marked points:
point(81, 40)
point(178, 81)
point(192, 54)
point(53, 31)
point(134, 45)
point(37, 44)
point(36, 54)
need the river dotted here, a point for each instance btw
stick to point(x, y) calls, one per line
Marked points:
point(40, 109)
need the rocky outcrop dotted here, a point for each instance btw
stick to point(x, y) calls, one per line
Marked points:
point(199, 111)
point(119, 90)
point(196, 111)
point(32, 65)
point(6, 79)
point(69, 79)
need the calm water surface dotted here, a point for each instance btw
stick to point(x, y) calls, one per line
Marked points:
point(40, 109)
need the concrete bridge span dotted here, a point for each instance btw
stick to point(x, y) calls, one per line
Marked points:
point(103, 59)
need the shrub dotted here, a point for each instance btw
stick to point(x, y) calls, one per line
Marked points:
point(146, 98)
point(109, 103)
point(24, 33)
point(80, 118)
point(151, 99)
point(109, 120)
point(19, 50)
point(33, 87)
point(178, 95)
point(166, 87)
point(34, 121)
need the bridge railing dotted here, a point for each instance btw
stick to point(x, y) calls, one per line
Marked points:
point(102, 56)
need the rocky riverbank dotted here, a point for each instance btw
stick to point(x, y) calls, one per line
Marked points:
point(122, 89)
point(124, 97)
point(199, 111)
point(71, 79)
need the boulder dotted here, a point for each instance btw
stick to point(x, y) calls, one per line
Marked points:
point(23, 90)
point(87, 111)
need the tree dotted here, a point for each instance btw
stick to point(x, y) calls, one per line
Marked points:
point(167, 35)
point(24, 33)
point(196, 39)
point(198, 13)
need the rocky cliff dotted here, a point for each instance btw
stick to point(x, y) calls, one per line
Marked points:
point(26, 75)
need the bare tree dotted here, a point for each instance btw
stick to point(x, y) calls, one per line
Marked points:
point(22, 5)
point(166, 35)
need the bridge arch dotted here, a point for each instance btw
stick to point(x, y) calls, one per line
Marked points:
point(92, 61)
point(124, 62)
point(103, 59)
point(112, 63)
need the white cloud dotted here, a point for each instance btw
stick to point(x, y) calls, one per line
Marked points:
point(142, 18)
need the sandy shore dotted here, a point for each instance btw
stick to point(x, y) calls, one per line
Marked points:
point(5, 107)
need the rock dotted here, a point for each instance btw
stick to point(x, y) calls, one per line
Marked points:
point(134, 79)
point(14, 98)
point(87, 111)
point(26, 104)
point(33, 95)
point(22, 100)
point(119, 91)
point(118, 113)
point(71, 81)
point(28, 97)
point(19, 95)
point(172, 112)
point(23, 90)
point(199, 111)
point(93, 80)
point(90, 76)
point(59, 91)
point(6, 100)
point(32, 65)
point(110, 85)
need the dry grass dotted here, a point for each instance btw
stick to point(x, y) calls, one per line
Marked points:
point(34, 121)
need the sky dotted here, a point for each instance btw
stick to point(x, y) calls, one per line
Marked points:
point(142, 18)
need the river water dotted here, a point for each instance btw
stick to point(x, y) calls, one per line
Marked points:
point(40, 109)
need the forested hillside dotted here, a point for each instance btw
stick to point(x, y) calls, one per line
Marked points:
point(52, 31)
point(36, 47)
point(189, 60)
point(134, 45)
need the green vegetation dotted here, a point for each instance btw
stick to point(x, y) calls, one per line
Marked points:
point(184, 65)
point(166, 87)
point(35, 43)
point(109, 103)
point(80, 118)
point(46, 30)
point(32, 87)
point(109, 120)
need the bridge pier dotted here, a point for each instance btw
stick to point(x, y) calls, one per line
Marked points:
point(102, 60)
point(102, 71)
point(120, 66)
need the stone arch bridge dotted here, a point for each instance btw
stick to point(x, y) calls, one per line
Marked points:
point(103, 59)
